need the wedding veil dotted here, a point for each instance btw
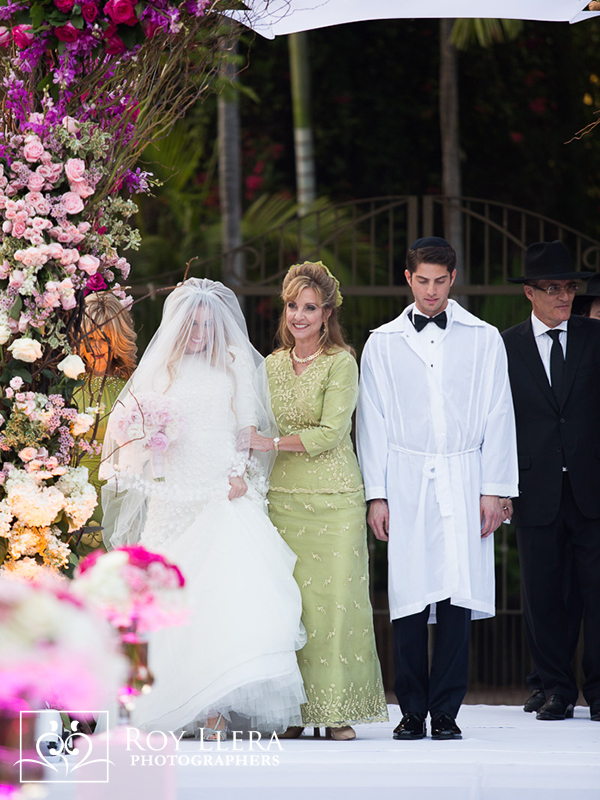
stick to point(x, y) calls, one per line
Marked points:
point(202, 323)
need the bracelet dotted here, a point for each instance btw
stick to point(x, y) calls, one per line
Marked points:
point(276, 444)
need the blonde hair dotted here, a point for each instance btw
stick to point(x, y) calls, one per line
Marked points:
point(316, 276)
point(105, 317)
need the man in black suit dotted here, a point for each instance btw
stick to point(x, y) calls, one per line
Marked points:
point(554, 368)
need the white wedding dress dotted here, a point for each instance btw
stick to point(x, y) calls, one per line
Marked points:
point(237, 653)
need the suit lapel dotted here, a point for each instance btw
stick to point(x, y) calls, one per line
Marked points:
point(531, 356)
point(575, 346)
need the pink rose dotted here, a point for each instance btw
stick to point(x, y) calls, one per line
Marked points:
point(89, 12)
point(66, 33)
point(121, 11)
point(75, 169)
point(64, 5)
point(42, 206)
point(21, 36)
point(35, 183)
point(19, 229)
point(33, 150)
point(4, 36)
point(27, 453)
point(89, 264)
point(82, 188)
point(40, 224)
point(72, 204)
point(70, 124)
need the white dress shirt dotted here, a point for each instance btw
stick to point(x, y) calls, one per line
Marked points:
point(544, 343)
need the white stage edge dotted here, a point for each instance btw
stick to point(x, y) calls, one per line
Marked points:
point(505, 754)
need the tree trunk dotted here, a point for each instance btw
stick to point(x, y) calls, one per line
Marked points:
point(303, 136)
point(450, 134)
point(230, 174)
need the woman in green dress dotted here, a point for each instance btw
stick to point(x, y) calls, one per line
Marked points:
point(316, 500)
point(107, 344)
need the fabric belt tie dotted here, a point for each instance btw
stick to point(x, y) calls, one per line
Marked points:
point(437, 468)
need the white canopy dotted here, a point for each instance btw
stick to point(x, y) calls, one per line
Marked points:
point(273, 18)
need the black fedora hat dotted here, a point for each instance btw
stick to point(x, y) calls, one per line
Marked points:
point(549, 261)
point(592, 291)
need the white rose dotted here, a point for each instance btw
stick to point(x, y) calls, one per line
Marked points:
point(82, 423)
point(72, 366)
point(25, 349)
point(5, 333)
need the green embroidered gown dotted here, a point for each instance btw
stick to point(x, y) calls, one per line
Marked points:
point(317, 502)
point(102, 392)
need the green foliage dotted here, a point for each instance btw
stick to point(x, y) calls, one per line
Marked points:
point(484, 32)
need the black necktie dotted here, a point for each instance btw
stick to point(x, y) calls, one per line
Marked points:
point(420, 321)
point(557, 363)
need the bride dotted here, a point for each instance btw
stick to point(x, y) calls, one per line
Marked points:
point(178, 485)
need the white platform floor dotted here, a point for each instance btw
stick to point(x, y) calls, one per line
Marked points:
point(505, 754)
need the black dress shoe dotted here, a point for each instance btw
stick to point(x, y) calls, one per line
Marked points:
point(595, 710)
point(535, 701)
point(443, 726)
point(412, 726)
point(555, 707)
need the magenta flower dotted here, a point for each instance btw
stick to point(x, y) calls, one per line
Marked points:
point(89, 11)
point(64, 5)
point(121, 12)
point(66, 33)
point(95, 283)
point(22, 37)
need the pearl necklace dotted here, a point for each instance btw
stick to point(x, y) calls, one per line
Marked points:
point(308, 358)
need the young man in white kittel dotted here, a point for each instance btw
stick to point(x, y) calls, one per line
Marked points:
point(437, 448)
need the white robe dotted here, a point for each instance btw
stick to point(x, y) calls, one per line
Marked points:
point(434, 434)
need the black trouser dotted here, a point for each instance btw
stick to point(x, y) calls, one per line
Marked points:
point(574, 617)
point(543, 554)
point(443, 688)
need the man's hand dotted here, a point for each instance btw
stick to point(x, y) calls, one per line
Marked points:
point(507, 508)
point(238, 487)
point(378, 519)
point(492, 513)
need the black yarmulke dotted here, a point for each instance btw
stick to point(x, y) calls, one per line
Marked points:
point(429, 241)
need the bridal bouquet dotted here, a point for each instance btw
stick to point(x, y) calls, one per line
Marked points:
point(133, 588)
point(54, 648)
point(152, 421)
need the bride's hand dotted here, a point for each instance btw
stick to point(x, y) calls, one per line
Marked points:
point(250, 440)
point(238, 485)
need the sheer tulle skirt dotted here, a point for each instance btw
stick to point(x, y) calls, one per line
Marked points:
point(237, 652)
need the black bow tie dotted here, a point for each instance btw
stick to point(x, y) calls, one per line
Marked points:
point(419, 321)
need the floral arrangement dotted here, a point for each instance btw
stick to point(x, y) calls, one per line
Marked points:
point(51, 247)
point(54, 648)
point(92, 27)
point(133, 587)
point(86, 86)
